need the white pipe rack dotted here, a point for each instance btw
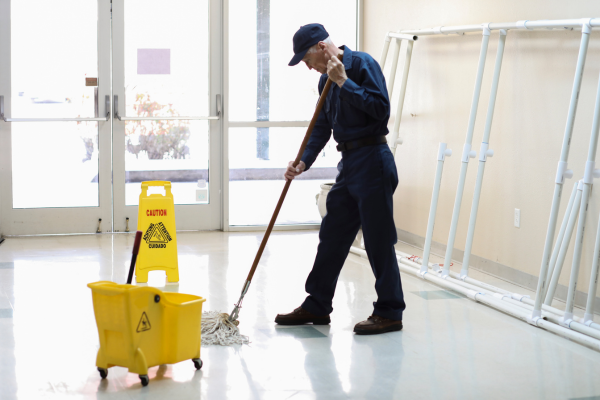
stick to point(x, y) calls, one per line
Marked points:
point(495, 302)
point(581, 330)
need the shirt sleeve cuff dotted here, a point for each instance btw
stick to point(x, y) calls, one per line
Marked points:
point(308, 159)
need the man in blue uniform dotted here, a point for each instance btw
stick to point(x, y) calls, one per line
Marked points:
point(357, 110)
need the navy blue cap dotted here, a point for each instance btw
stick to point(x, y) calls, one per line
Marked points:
point(306, 37)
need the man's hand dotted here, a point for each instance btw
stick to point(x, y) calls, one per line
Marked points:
point(292, 172)
point(336, 71)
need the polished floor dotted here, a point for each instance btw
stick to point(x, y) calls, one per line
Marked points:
point(450, 348)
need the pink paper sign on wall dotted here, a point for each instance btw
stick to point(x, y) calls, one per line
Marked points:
point(154, 61)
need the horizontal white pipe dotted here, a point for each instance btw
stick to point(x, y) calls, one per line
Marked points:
point(524, 301)
point(268, 124)
point(513, 310)
point(159, 118)
point(528, 25)
point(402, 36)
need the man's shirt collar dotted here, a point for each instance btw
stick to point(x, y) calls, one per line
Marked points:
point(347, 58)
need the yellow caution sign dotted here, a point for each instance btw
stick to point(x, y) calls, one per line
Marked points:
point(156, 219)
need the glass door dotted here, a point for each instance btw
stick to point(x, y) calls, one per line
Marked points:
point(97, 96)
point(270, 105)
point(55, 117)
point(167, 106)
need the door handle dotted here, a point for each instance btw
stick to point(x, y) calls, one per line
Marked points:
point(8, 119)
point(158, 118)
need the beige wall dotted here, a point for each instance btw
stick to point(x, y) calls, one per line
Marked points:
point(527, 132)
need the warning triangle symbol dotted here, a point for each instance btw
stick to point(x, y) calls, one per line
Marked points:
point(144, 324)
point(158, 237)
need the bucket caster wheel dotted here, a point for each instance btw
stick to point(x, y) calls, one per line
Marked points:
point(197, 363)
point(145, 380)
point(103, 372)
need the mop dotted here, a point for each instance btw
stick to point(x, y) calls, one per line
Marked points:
point(222, 328)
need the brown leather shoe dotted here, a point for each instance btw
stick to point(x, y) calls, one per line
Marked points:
point(376, 324)
point(300, 316)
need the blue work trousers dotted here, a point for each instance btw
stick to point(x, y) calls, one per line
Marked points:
point(361, 196)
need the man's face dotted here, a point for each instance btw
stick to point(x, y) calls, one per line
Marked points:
point(316, 60)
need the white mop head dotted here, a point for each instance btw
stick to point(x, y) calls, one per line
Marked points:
point(218, 329)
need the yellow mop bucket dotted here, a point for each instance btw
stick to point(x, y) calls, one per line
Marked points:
point(141, 327)
point(156, 219)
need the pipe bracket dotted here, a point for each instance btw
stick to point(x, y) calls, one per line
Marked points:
point(467, 153)
point(562, 172)
point(519, 297)
point(535, 315)
point(438, 30)
point(586, 25)
point(473, 294)
point(590, 172)
point(500, 296)
point(443, 151)
point(485, 29)
point(566, 320)
point(485, 152)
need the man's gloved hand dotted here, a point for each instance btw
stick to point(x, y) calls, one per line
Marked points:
point(336, 71)
point(292, 172)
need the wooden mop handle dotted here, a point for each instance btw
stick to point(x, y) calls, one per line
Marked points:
point(287, 183)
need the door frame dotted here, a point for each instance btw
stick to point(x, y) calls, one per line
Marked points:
point(111, 142)
point(188, 216)
point(32, 221)
point(226, 225)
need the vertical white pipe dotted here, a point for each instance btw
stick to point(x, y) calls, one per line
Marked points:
point(396, 129)
point(442, 153)
point(561, 171)
point(588, 180)
point(564, 246)
point(483, 155)
point(589, 307)
point(395, 56)
point(466, 151)
point(585, 196)
point(384, 51)
point(561, 234)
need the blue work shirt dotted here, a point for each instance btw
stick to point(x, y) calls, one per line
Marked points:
point(358, 109)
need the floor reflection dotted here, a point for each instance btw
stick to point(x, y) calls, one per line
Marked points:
point(449, 348)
